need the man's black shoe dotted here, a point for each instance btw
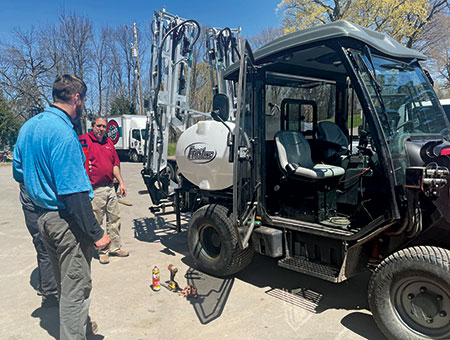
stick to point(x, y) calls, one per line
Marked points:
point(49, 301)
point(91, 328)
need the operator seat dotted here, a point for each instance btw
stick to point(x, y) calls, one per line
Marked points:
point(337, 141)
point(294, 156)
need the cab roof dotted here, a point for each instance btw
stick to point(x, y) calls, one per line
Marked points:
point(333, 31)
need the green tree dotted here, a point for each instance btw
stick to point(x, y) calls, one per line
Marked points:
point(122, 106)
point(401, 19)
point(9, 123)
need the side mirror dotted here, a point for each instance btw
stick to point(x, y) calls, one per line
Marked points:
point(221, 107)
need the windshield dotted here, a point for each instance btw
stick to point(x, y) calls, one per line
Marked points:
point(144, 134)
point(406, 104)
point(410, 104)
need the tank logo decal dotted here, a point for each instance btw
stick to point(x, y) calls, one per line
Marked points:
point(113, 131)
point(198, 153)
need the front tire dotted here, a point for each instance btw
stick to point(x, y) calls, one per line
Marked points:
point(213, 243)
point(134, 157)
point(409, 294)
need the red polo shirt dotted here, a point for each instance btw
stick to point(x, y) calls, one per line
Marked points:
point(103, 158)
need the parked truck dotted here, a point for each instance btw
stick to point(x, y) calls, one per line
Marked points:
point(128, 133)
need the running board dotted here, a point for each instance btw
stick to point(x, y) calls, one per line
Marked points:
point(318, 270)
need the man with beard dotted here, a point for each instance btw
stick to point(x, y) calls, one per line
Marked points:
point(103, 167)
point(48, 159)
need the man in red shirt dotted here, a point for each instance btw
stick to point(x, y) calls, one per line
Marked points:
point(103, 167)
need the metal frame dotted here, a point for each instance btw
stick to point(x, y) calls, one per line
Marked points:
point(222, 46)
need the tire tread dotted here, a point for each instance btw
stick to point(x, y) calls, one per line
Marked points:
point(240, 257)
point(429, 254)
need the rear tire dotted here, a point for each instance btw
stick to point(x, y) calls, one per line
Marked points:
point(213, 243)
point(409, 294)
point(171, 170)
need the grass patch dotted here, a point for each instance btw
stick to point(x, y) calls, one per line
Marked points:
point(357, 120)
point(171, 149)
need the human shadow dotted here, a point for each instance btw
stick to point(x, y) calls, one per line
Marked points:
point(212, 294)
point(158, 229)
point(49, 320)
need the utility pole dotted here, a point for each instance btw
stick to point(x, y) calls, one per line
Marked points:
point(135, 54)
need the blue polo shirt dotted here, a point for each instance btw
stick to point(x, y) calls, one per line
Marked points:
point(48, 158)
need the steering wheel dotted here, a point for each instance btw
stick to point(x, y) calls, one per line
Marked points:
point(407, 123)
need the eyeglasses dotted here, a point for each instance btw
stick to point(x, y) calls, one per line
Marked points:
point(100, 126)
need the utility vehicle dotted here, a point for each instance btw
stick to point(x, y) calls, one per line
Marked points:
point(334, 160)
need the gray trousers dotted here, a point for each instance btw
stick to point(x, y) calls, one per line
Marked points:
point(47, 282)
point(70, 253)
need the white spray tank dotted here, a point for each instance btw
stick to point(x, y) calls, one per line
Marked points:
point(202, 155)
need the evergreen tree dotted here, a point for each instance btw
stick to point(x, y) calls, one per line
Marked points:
point(122, 106)
point(9, 123)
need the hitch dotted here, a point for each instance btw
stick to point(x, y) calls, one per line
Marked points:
point(430, 179)
point(157, 186)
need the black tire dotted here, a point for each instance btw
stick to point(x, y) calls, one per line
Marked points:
point(213, 244)
point(409, 294)
point(134, 157)
point(172, 171)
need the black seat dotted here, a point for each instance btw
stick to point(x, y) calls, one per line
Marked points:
point(334, 141)
point(294, 156)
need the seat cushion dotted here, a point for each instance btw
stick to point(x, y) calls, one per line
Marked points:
point(294, 156)
point(319, 171)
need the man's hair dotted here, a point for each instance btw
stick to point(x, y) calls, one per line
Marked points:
point(94, 119)
point(66, 86)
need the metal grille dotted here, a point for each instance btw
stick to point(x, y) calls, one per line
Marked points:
point(315, 269)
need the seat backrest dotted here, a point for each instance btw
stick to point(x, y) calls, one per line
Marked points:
point(292, 147)
point(330, 132)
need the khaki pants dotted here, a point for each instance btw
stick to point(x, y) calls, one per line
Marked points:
point(70, 253)
point(105, 202)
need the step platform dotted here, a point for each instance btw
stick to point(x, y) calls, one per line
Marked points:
point(318, 270)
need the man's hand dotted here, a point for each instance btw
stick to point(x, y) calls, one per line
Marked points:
point(123, 190)
point(103, 243)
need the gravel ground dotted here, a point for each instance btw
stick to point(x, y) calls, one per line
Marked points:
point(261, 302)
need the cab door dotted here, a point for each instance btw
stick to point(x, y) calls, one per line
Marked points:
point(247, 161)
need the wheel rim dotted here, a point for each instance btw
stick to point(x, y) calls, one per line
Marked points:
point(423, 306)
point(210, 240)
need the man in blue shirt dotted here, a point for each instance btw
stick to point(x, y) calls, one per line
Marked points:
point(48, 159)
